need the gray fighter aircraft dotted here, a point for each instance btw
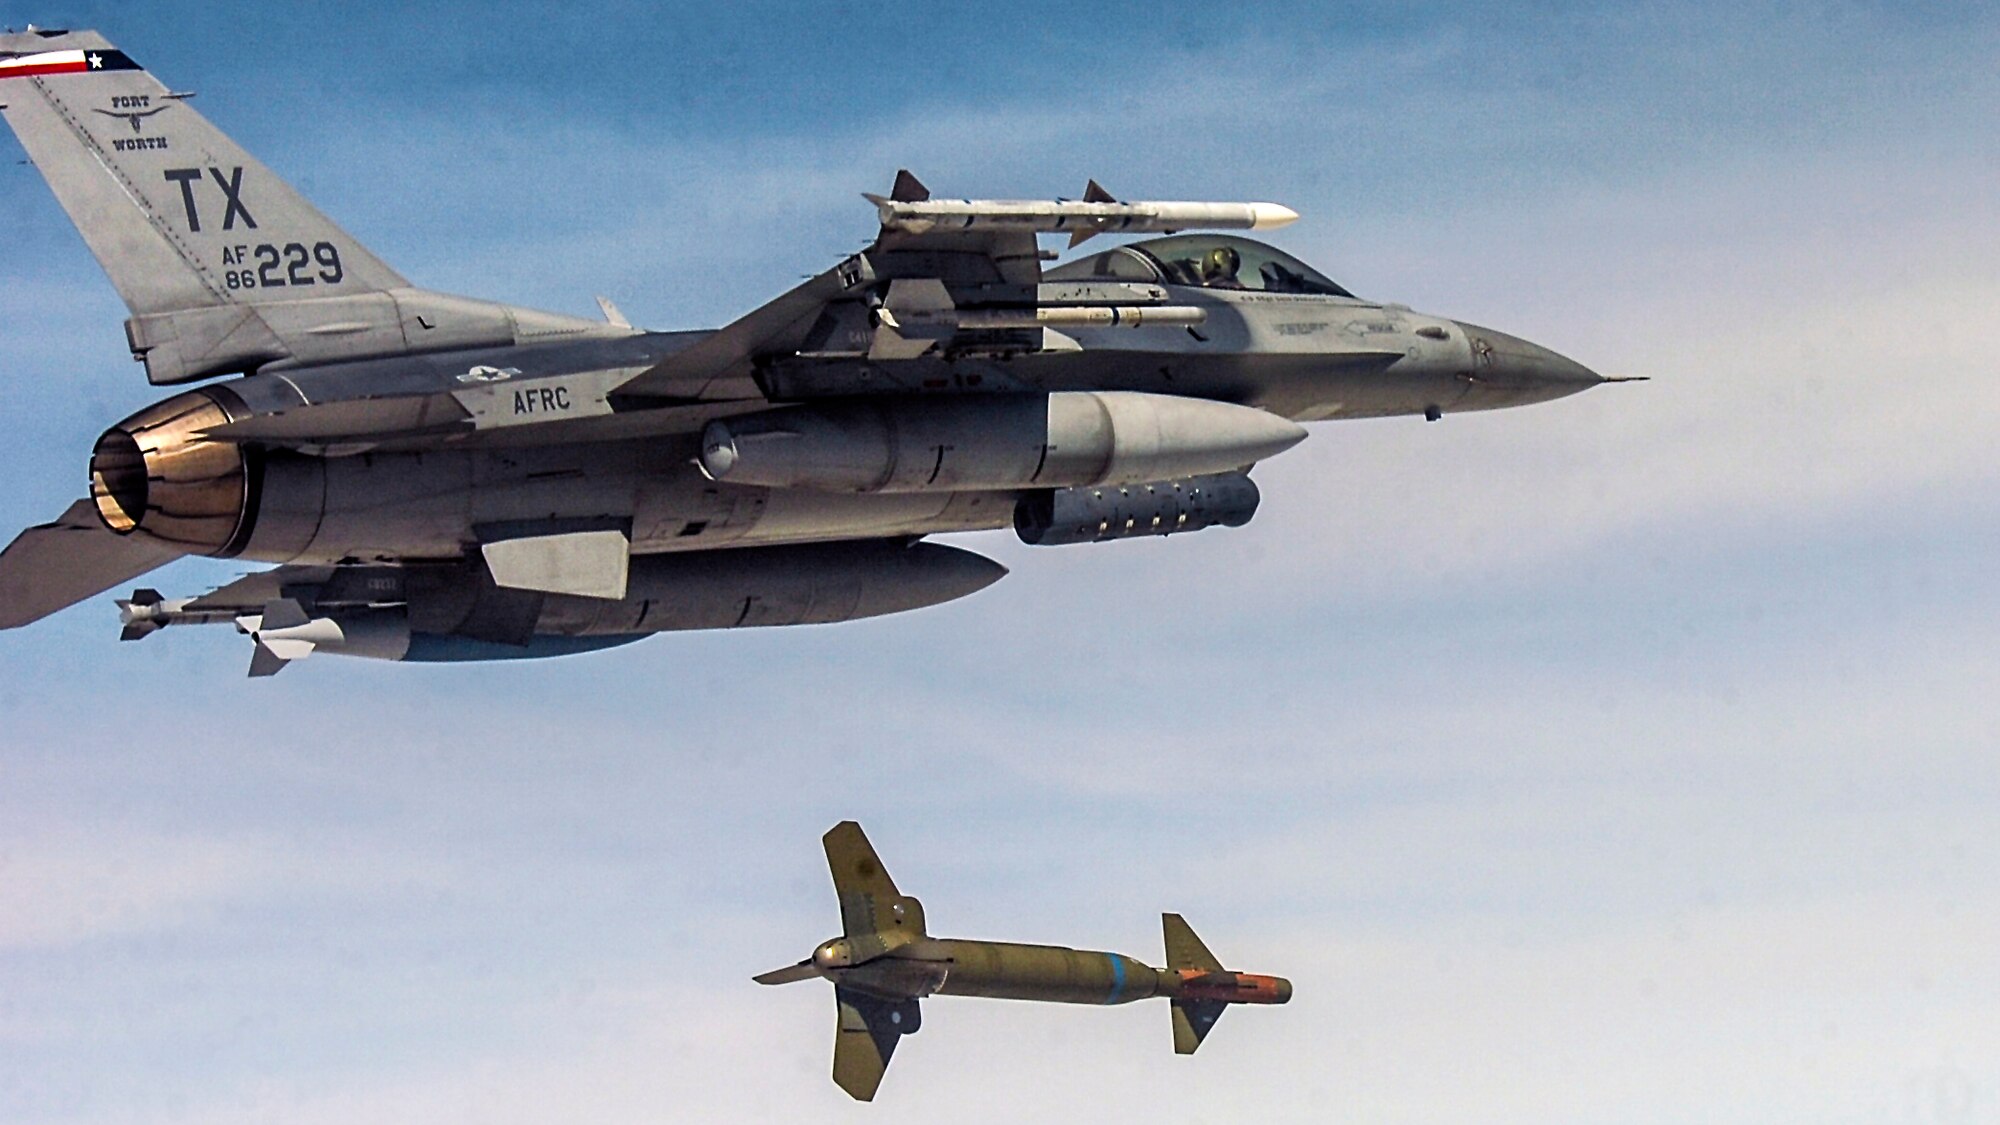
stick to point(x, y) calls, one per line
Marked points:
point(443, 478)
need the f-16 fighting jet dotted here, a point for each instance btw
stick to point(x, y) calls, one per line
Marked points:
point(444, 478)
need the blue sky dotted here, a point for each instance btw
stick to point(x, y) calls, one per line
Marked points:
point(1627, 758)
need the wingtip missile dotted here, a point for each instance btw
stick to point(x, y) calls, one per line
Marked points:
point(1268, 216)
point(907, 189)
point(910, 209)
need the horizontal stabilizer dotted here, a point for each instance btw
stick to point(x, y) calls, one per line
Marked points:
point(56, 565)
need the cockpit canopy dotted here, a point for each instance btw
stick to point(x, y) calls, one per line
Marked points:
point(1209, 261)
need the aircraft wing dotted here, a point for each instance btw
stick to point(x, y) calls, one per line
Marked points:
point(55, 565)
point(721, 365)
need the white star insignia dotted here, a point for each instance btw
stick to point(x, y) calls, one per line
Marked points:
point(97, 62)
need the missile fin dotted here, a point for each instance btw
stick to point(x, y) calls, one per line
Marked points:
point(870, 904)
point(1093, 192)
point(866, 1037)
point(1184, 950)
point(264, 662)
point(282, 613)
point(804, 970)
point(908, 188)
point(134, 616)
point(1192, 1019)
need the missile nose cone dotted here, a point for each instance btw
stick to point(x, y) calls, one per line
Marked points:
point(1266, 216)
point(1284, 990)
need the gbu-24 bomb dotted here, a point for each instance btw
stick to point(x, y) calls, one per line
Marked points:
point(885, 962)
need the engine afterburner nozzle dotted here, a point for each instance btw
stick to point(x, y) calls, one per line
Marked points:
point(158, 474)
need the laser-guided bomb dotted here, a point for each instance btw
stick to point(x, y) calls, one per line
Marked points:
point(885, 962)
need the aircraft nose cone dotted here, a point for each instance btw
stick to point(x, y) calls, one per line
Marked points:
point(1513, 362)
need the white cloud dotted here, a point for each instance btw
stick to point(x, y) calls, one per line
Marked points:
point(63, 889)
point(1849, 1009)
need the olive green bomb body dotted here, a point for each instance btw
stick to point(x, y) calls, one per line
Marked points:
point(885, 962)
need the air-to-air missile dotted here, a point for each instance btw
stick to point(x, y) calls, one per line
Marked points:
point(884, 962)
point(1098, 212)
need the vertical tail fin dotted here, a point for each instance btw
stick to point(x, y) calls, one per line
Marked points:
point(224, 266)
point(178, 214)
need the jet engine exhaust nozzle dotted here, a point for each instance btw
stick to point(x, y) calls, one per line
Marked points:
point(157, 475)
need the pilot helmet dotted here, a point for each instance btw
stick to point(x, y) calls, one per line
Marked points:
point(1221, 263)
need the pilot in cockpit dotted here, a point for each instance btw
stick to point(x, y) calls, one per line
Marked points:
point(1219, 266)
